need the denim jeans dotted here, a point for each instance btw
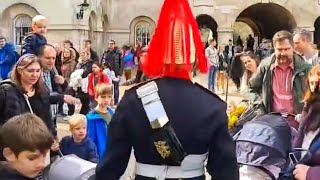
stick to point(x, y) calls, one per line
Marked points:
point(116, 92)
point(212, 77)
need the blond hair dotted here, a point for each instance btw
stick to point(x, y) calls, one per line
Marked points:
point(37, 19)
point(76, 119)
point(103, 89)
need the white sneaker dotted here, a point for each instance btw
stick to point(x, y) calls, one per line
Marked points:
point(67, 118)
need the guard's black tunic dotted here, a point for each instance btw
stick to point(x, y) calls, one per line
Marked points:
point(198, 118)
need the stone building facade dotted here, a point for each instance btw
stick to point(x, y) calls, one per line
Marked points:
point(126, 21)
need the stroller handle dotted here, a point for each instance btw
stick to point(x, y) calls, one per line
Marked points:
point(292, 121)
point(284, 114)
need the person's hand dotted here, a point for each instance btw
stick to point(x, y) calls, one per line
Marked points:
point(55, 146)
point(59, 79)
point(298, 118)
point(300, 172)
point(71, 100)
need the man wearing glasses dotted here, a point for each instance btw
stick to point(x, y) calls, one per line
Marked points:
point(112, 58)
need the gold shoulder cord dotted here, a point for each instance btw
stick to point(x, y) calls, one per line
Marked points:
point(177, 35)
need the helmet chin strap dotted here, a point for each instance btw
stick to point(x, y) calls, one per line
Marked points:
point(191, 77)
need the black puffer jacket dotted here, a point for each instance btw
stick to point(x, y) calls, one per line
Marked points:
point(114, 60)
point(13, 102)
point(6, 173)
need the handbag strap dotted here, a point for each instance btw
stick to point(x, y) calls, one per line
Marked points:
point(315, 146)
point(270, 174)
point(28, 103)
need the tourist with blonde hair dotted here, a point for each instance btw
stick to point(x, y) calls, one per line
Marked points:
point(78, 143)
point(68, 59)
point(34, 40)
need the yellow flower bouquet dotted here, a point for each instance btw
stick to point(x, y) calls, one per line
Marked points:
point(234, 115)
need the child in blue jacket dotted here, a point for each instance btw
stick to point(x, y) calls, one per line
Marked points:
point(99, 118)
point(33, 41)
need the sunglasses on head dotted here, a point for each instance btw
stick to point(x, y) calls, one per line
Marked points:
point(26, 57)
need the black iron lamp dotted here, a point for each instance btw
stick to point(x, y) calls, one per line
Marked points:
point(84, 6)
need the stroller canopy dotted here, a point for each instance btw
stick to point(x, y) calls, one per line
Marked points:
point(264, 141)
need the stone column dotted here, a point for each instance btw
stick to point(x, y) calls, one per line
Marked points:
point(224, 34)
point(225, 23)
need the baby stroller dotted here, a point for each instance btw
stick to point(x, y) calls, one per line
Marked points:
point(263, 146)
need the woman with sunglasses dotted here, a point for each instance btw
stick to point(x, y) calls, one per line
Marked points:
point(25, 92)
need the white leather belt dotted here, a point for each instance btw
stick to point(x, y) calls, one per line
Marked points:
point(152, 104)
point(192, 166)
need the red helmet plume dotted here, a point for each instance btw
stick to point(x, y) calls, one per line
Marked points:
point(176, 43)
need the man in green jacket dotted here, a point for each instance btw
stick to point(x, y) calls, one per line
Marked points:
point(280, 81)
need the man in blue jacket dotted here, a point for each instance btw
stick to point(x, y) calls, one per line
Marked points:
point(7, 57)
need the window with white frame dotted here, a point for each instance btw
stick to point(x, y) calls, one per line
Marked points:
point(22, 26)
point(143, 31)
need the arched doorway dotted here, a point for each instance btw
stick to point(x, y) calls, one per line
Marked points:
point(16, 22)
point(141, 29)
point(208, 27)
point(265, 19)
point(317, 32)
point(105, 26)
point(93, 28)
point(22, 26)
point(243, 30)
point(92, 25)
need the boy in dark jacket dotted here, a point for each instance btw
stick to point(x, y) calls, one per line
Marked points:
point(25, 151)
point(78, 143)
point(33, 41)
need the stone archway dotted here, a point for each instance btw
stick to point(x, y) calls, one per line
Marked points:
point(208, 27)
point(317, 32)
point(105, 27)
point(265, 19)
point(9, 19)
point(92, 34)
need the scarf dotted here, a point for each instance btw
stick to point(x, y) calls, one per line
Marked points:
point(81, 64)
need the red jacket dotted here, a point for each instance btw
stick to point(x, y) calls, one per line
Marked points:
point(102, 79)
